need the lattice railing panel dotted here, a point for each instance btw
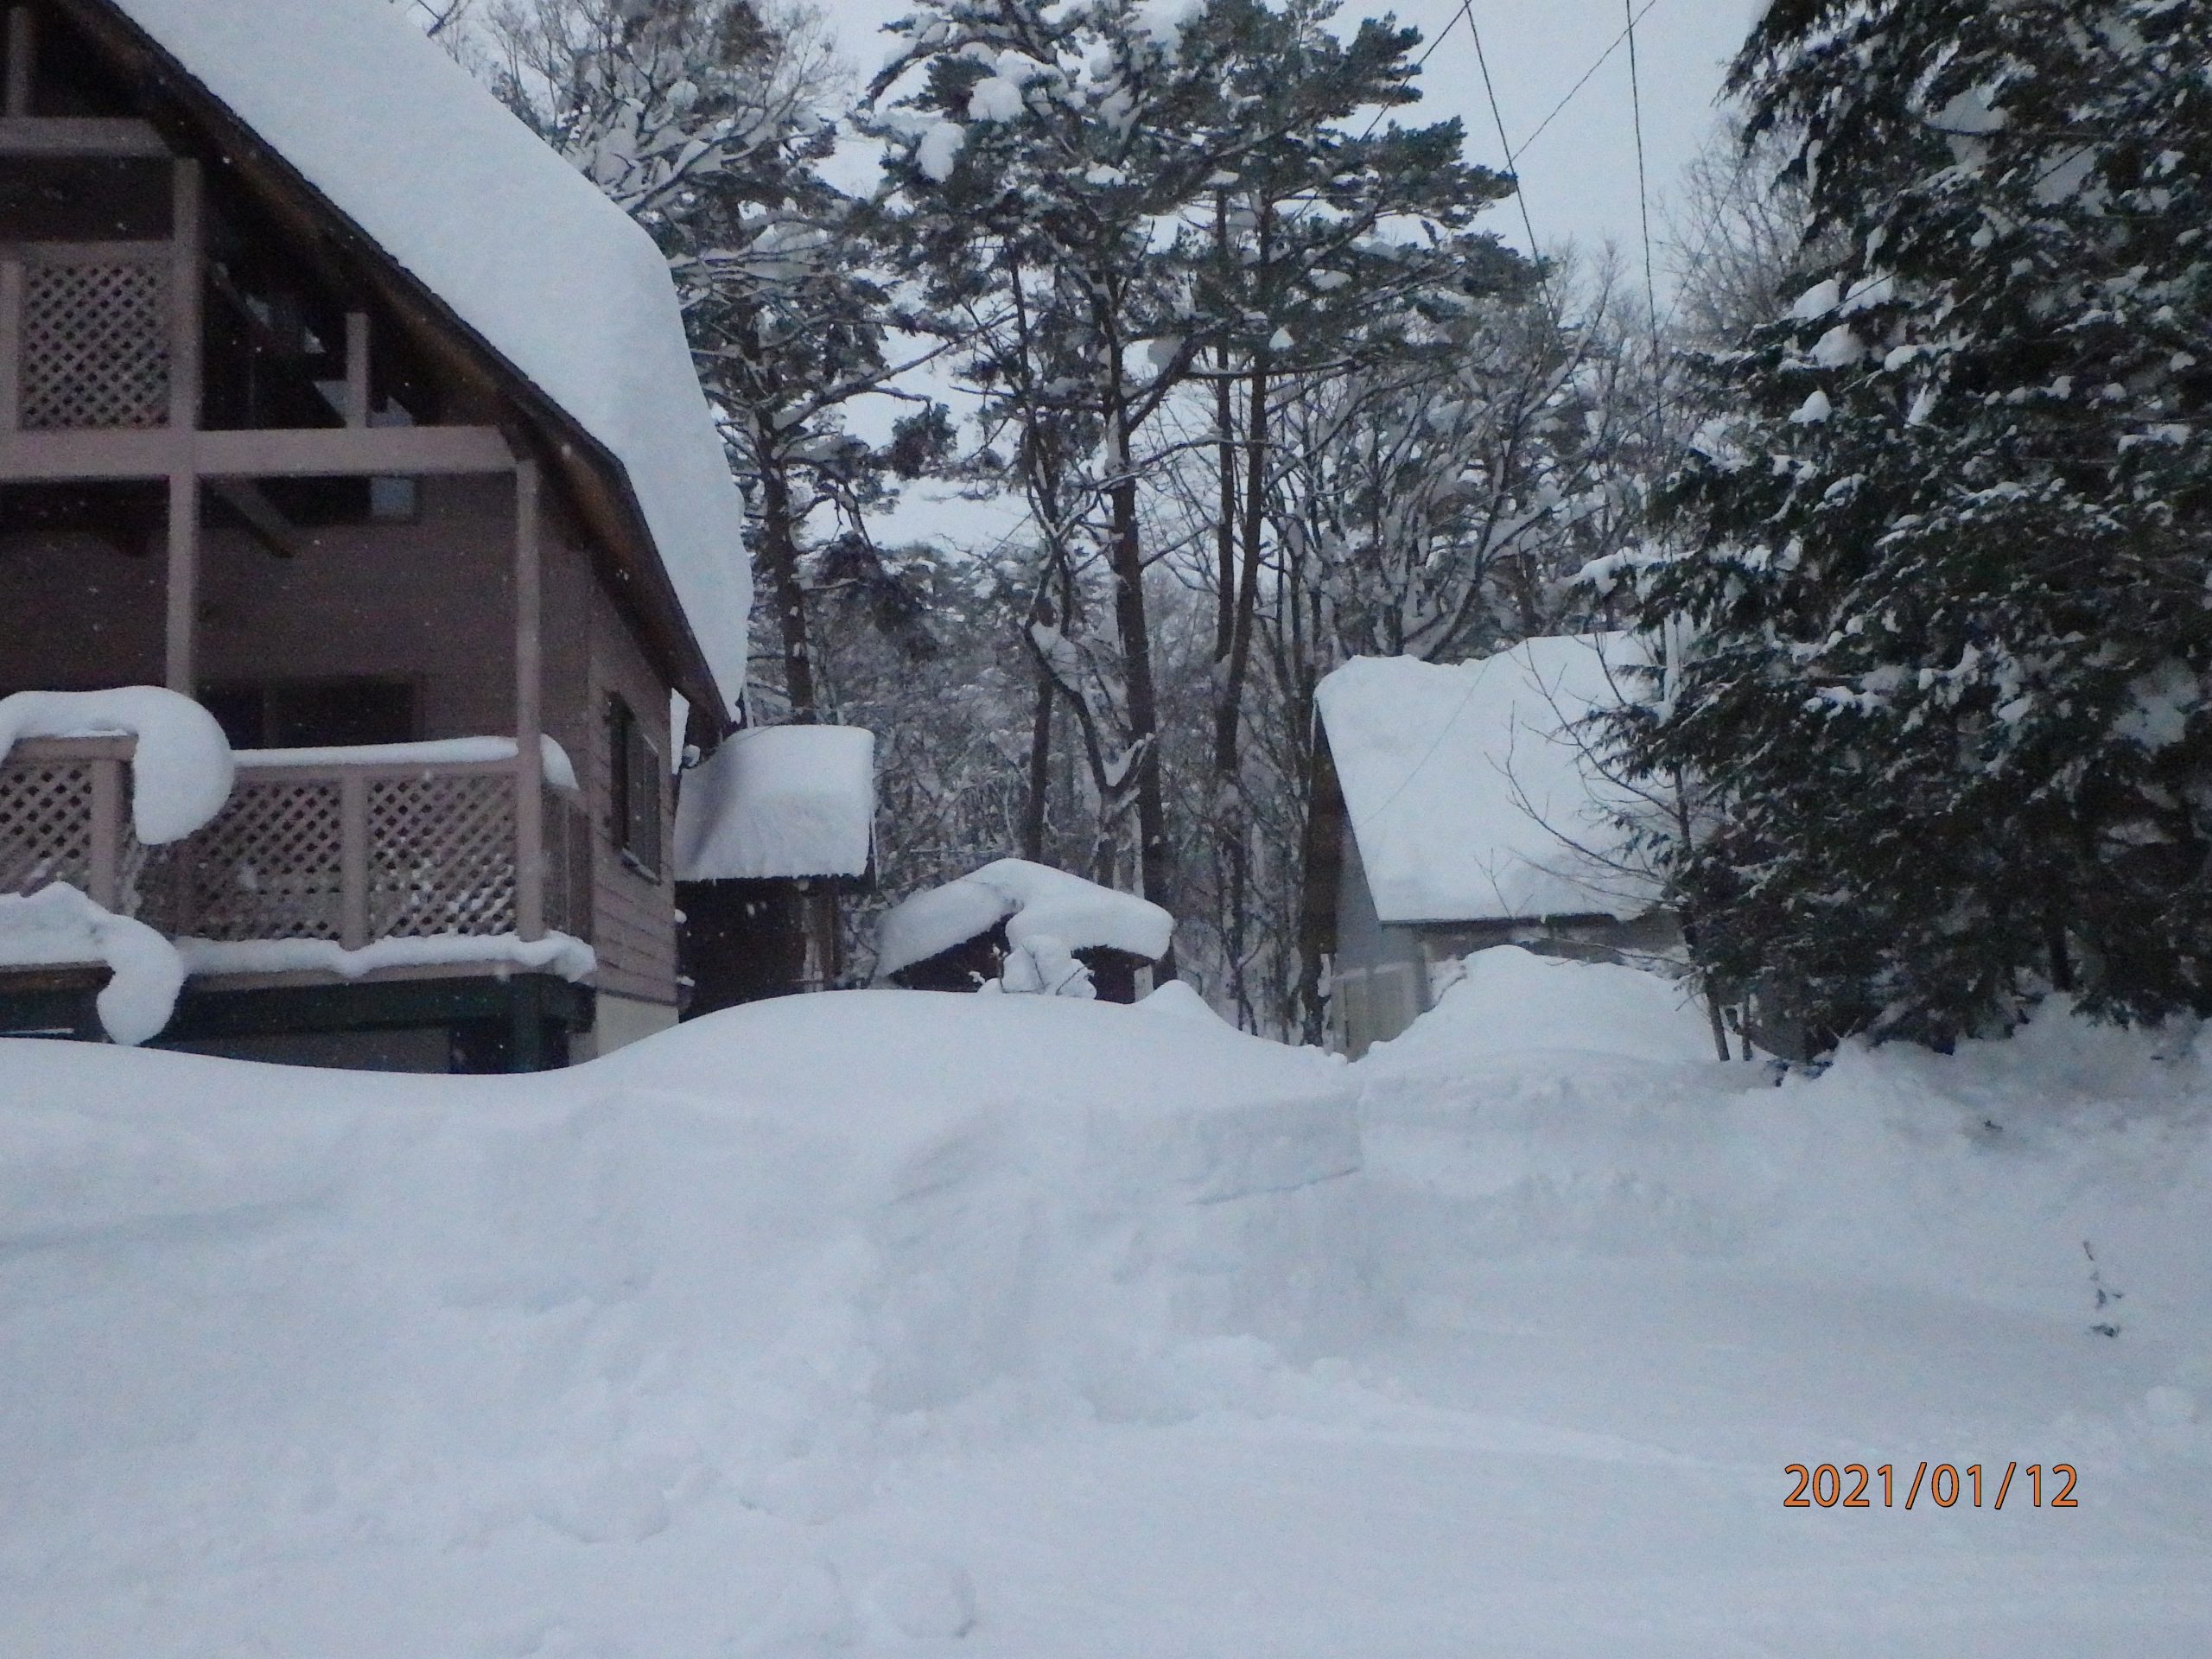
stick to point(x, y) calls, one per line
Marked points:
point(95, 346)
point(271, 866)
point(46, 825)
point(441, 854)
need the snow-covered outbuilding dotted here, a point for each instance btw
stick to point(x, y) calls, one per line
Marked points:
point(772, 830)
point(1022, 926)
point(1460, 806)
point(333, 401)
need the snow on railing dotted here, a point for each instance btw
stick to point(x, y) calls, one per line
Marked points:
point(338, 851)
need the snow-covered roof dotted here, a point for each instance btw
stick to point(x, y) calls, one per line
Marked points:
point(1469, 794)
point(1035, 902)
point(550, 274)
point(777, 803)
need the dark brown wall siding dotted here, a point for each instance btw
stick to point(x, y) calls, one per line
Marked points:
point(636, 915)
point(431, 603)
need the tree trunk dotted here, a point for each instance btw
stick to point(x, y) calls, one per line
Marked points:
point(1040, 772)
point(1230, 711)
point(778, 556)
point(1155, 854)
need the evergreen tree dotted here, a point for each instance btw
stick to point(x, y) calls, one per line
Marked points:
point(709, 121)
point(1122, 201)
point(1945, 576)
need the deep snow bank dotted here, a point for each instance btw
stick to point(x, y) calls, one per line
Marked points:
point(899, 1325)
point(1548, 1105)
point(247, 1308)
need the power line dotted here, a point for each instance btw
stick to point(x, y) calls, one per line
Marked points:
point(1642, 177)
point(1604, 57)
point(1520, 191)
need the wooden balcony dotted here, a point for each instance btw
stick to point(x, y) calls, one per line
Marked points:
point(335, 851)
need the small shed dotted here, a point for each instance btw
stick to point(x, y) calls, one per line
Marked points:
point(1026, 927)
point(1459, 807)
point(772, 829)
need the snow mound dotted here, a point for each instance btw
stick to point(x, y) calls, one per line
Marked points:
point(181, 772)
point(779, 802)
point(1513, 1001)
point(736, 1266)
point(1179, 1001)
point(875, 1323)
point(60, 926)
point(1036, 902)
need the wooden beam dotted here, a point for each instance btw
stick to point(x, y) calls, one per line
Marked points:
point(357, 370)
point(67, 456)
point(263, 519)
point(319, 452)
point(529, 713)
point(338, 452)
point(11, 344)
point(22, 56)
point(188, 236)
point(183, 620)
point(23, 135)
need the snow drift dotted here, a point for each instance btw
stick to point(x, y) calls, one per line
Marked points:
point(907, 1324)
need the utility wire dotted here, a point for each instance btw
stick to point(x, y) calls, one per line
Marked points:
point(1520, 196)
point(1604, 57)
point(1642, 177)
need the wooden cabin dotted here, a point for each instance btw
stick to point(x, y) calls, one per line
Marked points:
point(1457, 807)
point(334, 400)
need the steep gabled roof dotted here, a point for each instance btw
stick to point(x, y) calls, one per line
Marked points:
point(1471, 795)
point(550, 277)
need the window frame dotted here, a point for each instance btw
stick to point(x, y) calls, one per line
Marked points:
point(635, 807)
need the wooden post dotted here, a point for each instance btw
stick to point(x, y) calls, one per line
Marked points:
point(182, 674)
point(182, 646)
point(353, 859)
point(106, 875)
point(22, 54)
point(185, 279)
point(357, 370)
point(529, 714)
point(11, 344)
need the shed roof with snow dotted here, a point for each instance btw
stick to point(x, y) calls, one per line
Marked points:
point(1035, 902)
point(522, 251)
point(779, 802)
point(1470, 793)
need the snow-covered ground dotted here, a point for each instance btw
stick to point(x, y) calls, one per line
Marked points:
point(895, 1324)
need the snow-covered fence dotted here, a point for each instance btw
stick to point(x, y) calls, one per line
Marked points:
point(347, 852)
point(65, 816)
point(350, 846)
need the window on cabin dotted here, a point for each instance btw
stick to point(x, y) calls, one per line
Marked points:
point(638, 771)
point(313, 714)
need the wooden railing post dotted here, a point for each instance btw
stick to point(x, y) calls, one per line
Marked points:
point(353, 860)
point(183, 618)
point(104, 878)
point(529, 721)
point(11, 344)
point(22, 55)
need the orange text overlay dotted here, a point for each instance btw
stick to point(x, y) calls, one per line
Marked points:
point(1944, 1485)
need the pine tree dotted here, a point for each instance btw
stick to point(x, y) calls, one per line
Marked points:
point(707, 121)
point(1946, 571)
point(1121, 200)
